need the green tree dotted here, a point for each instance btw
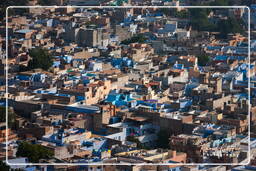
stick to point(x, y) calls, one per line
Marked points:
point(219, 3)
point(140, 38)
point(41, 58)
point(181, 14)
point(168, 11)
point(135, 140)
point(199, 19)
point(246, 2)
point(203, 59)
point(11, 116)
point(34, 152)
point(163, 139)
point(4, 166)
point(45, 2)
point(5, 3)
point(22, 68)
point(230, 25)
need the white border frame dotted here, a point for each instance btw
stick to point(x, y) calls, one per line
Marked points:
point(130, 164)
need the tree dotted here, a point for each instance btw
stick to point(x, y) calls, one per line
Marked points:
point(181, 14)
point(34, 152)
point(163, 139)
point(5, 3)
point(219, 3)
point(11, 116)
point(246, 2)
point(41, 58)
point(168, 11)
point(203, 59)
point(199, 19)
point(135, 39)
point(45, 2)
point(22, 68)
point(4, 167)
point(230, 25)
point(136, 140)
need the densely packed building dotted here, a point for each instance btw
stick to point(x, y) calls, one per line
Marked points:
point(127, 86)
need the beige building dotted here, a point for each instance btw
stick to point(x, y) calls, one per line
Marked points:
point(139, 52)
